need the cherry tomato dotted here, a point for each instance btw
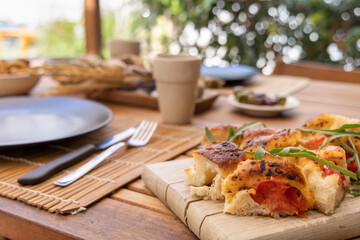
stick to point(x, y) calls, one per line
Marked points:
point(327, 171)
point(352, 166)
point(315, 143)
point(279, 196)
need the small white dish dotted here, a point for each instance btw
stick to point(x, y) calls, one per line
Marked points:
point(264, 111)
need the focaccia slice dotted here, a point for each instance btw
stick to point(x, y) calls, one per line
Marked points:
point(274, 187)
point(212, 165)
point(326, 183)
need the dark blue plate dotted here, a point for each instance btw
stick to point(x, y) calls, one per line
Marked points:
point(34, 120)
point(229, 73)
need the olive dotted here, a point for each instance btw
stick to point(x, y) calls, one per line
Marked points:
point(281, 100)
point(258, 98)
point(244, 98)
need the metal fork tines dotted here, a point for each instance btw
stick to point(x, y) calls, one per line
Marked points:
point(143, 134)
point(140, 138)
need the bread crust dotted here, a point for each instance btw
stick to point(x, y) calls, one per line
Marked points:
point(226, 155)
point(220, 133)
point(281, 139)
point(328, 193)
point(251, 133)
point(333, 153)
point(326, 121)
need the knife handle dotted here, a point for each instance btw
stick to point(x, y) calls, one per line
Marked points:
point(87, 167)
point(44, 172)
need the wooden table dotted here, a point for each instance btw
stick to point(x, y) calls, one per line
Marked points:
point(133, 212)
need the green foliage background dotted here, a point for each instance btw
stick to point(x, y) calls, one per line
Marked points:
point(268, 29)
point(331, 21)
point(61, 38)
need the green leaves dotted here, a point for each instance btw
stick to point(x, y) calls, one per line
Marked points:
point(338, 134)
point(355, 156)
point(233, 134)
point(354, 192)
point(289, 150)
point(340, 130)
point(239, 131)
point(209, 135)
point(259, 154)
point(296, 152)
point(347, 126)
point(345, 146)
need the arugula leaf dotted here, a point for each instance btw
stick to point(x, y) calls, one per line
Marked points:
point(231, 133)
point(209, 135)
point(337, 134)
point(240, 130)
point(295, 152)
point(356, 156)
point(345, 146)
point(354, 192)
point(347, 126)
point(342, 129)
point(259, 154)
point(347, 134)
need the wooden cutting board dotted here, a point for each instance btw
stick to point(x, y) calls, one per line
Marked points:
point(207, 221)
point(147, 101)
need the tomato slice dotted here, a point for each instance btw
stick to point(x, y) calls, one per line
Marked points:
point(279, 196)
point(315, 143)
point(351, 165)
point(326, 171)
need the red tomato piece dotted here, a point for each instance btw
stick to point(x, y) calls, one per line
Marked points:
point(351, 165)
point(326, 171)
point(316, 142)
point(279, 196)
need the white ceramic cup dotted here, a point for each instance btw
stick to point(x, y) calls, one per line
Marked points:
point(176, 78)
point(119, 47)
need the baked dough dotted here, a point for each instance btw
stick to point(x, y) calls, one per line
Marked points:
point(212, 165)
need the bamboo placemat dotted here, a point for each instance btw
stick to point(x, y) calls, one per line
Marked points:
point(167, 142)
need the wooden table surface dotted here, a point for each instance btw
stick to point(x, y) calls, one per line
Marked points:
point(133, 212)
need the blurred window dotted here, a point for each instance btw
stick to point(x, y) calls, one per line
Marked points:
point(117, 20)
point(41, 28)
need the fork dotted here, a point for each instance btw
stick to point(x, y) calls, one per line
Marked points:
point(140, 138)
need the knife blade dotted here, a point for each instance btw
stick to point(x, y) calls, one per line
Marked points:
point(44, 172)
point(87, 167)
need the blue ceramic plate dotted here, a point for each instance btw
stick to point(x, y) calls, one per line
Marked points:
point(229, 73)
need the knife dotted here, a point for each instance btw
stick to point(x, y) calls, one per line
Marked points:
point(44, 172)
point(78, 173)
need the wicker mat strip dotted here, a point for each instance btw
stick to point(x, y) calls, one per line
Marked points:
point(123, 167)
